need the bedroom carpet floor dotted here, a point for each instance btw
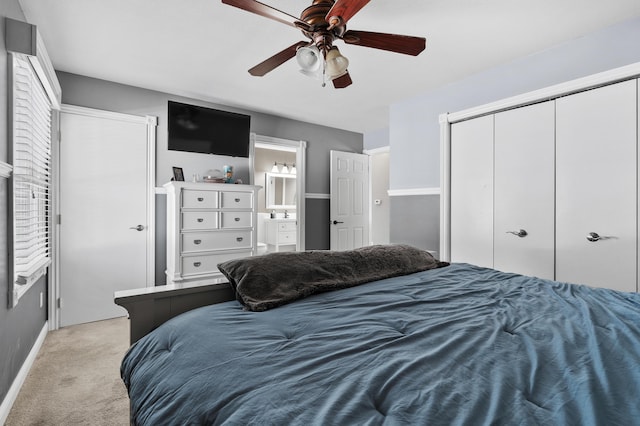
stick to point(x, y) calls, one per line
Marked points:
point(75, 379)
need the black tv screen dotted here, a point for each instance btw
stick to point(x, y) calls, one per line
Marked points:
point(198, 129)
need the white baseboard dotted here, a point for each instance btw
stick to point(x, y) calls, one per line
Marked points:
point(12, 394)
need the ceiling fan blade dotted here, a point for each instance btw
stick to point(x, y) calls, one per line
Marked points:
point(342, 81)
point(261, 9)
point(276, 60)
point(408, 45)
point(344, 10)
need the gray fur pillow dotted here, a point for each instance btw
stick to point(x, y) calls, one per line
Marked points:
point(271, 280)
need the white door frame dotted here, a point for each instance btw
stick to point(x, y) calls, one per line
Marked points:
point(301, 161)
point(371, 152)
point(54, 276)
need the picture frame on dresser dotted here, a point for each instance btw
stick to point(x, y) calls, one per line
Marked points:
point(178, 174)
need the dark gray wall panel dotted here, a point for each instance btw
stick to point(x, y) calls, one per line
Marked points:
point(317, 230)
point(415, 220)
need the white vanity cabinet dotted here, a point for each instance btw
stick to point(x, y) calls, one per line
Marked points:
point(281, 232)
point(208, 223)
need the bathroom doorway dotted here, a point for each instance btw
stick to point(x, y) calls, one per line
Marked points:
point(277, 165)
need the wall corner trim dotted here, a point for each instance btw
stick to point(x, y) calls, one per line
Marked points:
point(376, 151)
point(316, 196)
point(5, 170)
point(18, 381)
point(413, 191)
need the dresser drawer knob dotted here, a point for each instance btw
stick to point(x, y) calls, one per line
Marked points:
point(239, 239)
point(200, 220)
point(197, 241)
point(200, 199)
point(237, 219)
point(197, 264)
point(237, 200)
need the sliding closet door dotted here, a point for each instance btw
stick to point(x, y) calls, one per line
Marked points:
point(596, 187)
point(524, 145)
point(472, 191)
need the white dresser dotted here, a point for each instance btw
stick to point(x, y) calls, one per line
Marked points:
point(207, 224)
point(281, 232)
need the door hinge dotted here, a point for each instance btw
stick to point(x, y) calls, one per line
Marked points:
point(59, 303)
point(58, 219)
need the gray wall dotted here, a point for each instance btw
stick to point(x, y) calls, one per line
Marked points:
point(19, 326)
point(414, 127)
point(100, 94)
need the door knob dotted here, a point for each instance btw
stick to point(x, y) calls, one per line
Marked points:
point(335, 222)
point(521, 233)
point(138, 228)
point(593, 237)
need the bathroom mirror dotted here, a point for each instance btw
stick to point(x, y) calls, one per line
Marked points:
point(280, 191)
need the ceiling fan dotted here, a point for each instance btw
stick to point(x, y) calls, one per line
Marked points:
point(322, 23)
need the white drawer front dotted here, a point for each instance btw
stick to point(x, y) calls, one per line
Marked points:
point(286, 237)
point(206, 264)
point(200, 241)
point(236, 200)
point(199, 199)
point(199, 220)
point(287, 226)
point(236, 219)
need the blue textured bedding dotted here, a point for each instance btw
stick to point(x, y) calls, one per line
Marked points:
point(460, 345)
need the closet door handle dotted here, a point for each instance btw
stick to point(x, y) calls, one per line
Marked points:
point(521, 233)
point(593, 237)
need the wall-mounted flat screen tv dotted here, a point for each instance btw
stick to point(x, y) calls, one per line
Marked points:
point(198, 129)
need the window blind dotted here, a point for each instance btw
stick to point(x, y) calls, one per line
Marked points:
point(31, 173)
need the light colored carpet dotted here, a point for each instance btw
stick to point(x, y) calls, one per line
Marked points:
point(75, 379)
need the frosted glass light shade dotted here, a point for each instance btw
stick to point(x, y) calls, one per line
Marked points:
point(335, 64)
point(308, 58)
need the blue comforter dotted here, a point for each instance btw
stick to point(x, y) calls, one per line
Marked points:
point(460, 345)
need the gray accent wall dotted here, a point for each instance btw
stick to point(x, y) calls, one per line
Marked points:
point(94, 93)
point(414, 126)
point(421, 210)
point(21, 325)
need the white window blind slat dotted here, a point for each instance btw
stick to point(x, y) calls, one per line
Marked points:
point(31, 172)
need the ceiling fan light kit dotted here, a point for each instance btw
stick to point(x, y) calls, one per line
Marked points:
point(322, 23)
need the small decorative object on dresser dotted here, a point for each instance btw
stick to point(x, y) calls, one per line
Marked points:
point(208, 223)
point(178, 174)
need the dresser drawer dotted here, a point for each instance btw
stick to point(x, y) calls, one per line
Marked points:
point(199, 220)
point(236, 219)
point(199, 199)
point(286, 237)
point(287, 226)
point(223, 240)
point(236, 200)
point(206, 264)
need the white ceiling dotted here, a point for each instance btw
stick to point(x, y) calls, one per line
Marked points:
point(203, 48)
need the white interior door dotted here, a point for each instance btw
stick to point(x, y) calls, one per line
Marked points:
point(596, 187)
point(472, 191)
point(349, 200)
point(524, 190)
point(104, 212)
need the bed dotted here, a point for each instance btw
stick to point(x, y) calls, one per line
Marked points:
point(448, 344)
